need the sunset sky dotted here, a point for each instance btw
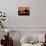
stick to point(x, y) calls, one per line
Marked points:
point(22, 8)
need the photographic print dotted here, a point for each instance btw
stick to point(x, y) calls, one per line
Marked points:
point(23, 11)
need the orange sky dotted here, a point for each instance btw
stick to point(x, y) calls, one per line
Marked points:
point(22, 8)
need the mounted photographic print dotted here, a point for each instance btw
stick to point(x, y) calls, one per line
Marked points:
point(23, 11)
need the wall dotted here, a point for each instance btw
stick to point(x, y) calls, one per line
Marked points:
point(37, 17)
point(35, 22)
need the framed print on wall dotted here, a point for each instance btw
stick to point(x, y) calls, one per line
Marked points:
point(23, 11)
